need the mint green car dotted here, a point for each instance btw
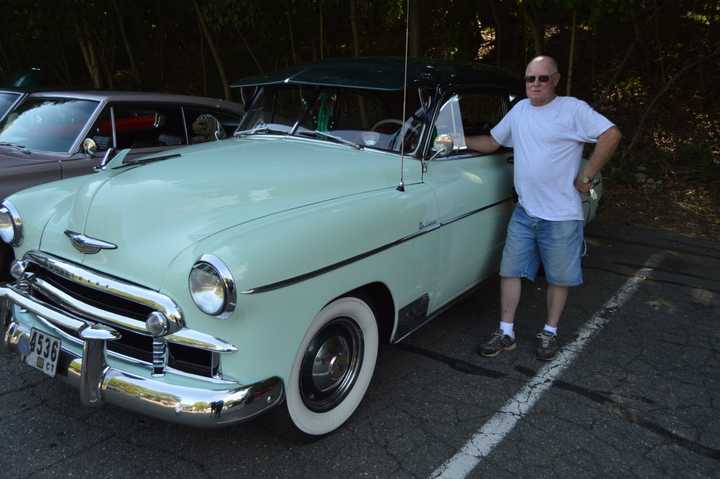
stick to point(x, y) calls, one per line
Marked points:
point(208, 284)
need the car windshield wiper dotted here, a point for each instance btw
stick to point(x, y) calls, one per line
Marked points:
point(142, 161)
point(328, 136)
point(260, 130)
point(19, 147)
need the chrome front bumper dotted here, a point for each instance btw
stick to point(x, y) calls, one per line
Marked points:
point(98, 383)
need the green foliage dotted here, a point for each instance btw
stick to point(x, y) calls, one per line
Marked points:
point(648, 64)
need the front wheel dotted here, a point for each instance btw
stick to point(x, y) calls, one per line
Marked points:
point(333, 367)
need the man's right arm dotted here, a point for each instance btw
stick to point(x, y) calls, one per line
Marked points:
point(482, 143)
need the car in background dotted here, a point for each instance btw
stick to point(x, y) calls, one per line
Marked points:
point(211, 284)
point(9, 97)
point(53, 135)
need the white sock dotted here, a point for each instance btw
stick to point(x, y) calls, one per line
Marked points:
point(550, 329)
point(507, 329)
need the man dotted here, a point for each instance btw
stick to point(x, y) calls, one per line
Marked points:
point(547, 133)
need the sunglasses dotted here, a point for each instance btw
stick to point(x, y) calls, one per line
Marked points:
point(540, 78)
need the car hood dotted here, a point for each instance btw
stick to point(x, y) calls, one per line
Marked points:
point(154, 211)
point(19, 170)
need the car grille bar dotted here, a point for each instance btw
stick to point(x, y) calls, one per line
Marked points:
point(108, 286)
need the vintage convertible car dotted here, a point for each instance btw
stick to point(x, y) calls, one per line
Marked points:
point(209, 284)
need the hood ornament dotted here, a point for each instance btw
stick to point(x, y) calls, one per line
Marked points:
point(86, 244)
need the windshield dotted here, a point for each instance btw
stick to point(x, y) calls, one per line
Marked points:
point(6, 101)
point(367, 118)
point(46, 124)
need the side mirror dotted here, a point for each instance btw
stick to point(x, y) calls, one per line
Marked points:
point(89, 147)
point(443, 145)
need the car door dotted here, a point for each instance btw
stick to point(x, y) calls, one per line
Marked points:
point(474, 193)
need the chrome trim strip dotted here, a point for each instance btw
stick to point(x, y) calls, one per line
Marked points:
point(83, 309)
point(423, 231)
point(193, 406)
point(109, 285)
point(196, 339)
point(43, 310)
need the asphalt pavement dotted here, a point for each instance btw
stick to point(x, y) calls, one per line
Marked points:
point(639, 398)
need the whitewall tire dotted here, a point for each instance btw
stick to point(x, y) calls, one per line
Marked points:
point(333, 366)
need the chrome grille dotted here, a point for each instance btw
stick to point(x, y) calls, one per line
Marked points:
point(99, 299)
point(53, 289)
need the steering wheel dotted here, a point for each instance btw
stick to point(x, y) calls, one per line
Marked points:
point(387, 121)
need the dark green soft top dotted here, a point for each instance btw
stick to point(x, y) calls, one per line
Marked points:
point(386, 73)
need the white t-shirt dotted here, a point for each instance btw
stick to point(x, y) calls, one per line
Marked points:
point(548, 143)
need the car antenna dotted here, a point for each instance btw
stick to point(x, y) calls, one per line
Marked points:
point(401, 186)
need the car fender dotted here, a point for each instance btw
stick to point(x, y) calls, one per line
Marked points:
point(286, 267)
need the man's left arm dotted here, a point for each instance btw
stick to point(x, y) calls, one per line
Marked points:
point(606, 145)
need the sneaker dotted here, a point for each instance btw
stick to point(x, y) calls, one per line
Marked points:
point(548, 346)
point(497, 343)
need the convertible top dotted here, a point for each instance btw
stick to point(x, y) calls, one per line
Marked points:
point(386, 73)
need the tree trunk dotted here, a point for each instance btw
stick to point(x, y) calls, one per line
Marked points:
point(62, 66)
point(133, 67)
point(213, 50)
point(498, 32)
point(4, 63)
point(660, 93)
point(354, 26)
point(415, 29)
point(252, 53)
point(88, 53)
point(616, 73)
point(292, 35)
point(571, 55)
point(356, 52)
point(322, 30)
point(203, 66)
point(533, 19)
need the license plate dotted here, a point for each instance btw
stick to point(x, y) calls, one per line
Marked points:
point(44, 352)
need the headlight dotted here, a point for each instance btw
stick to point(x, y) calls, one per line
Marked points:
point(212, 287)
point(10, 224)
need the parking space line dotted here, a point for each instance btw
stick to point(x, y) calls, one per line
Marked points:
point(482, 443)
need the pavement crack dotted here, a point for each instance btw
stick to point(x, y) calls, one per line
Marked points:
point(654, 246)
point(603, 397)
point(651, 279)
point(24, 387)
point(668, 271)
point(456, 364)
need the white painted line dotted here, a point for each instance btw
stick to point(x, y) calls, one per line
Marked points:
point(494, 431)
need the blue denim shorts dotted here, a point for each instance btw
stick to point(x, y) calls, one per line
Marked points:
point(558, 245)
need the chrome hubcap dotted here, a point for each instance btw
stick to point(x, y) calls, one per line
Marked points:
point(331, 364)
